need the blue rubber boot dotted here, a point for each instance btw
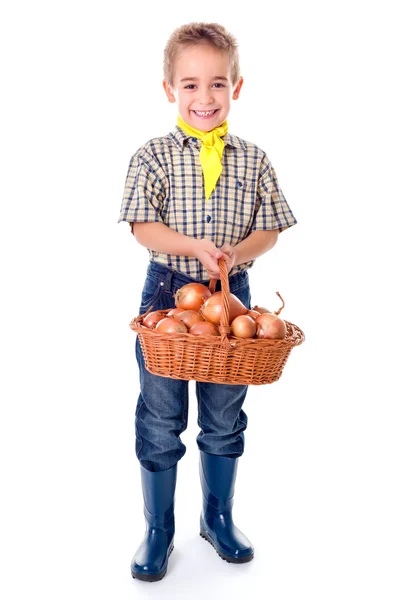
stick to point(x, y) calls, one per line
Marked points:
point(151, 560)
point(218, 474)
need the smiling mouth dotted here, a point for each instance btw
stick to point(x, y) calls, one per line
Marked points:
point(205, 113)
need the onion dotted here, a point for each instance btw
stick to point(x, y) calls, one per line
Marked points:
point(243, 327)
point(192, 296)
point(270, 327)
point(212, 308)
point(153, 318)
point(174, 312)
point(203, 328)
point(261, 309)
point(170, 325)
point(254, 313)
point(189, 317)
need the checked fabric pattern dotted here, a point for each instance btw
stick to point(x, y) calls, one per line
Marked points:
point(165, 184)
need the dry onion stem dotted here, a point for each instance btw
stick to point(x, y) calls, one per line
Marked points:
point(283, 304)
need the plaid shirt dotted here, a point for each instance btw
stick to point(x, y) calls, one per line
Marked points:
point(165, 184)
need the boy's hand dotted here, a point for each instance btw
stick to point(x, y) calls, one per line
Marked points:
point(208, 254)
point(231, 255)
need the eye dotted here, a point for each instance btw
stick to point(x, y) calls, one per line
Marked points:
point(219, 85)
point(191, 86)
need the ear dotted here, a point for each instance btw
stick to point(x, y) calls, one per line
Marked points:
point(169, 92)
point(237, 89)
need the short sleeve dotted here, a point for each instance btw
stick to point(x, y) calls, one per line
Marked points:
point(144, 191)
point(273, 210)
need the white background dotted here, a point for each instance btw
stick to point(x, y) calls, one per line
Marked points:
point(318, 486)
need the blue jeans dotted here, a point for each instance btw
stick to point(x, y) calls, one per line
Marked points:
point(162, 408)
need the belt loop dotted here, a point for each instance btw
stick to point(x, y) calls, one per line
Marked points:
point(168, 281)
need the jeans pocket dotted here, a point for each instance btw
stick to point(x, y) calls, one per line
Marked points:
point(152, 290)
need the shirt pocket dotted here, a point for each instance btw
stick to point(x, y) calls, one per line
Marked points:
point(237, 207)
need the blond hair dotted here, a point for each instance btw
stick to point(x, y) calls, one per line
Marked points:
point(196, 33)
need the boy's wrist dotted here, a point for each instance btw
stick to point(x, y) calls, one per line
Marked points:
point(235, 257)
point(195, 247)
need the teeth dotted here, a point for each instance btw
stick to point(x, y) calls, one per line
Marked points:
point(204, 113)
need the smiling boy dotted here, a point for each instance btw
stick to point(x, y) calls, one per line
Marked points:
point(201, 83)
point(192, 197)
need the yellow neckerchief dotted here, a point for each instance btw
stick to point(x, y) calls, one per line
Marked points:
point(210, 152)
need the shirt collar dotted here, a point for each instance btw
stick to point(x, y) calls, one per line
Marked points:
point(181, 137)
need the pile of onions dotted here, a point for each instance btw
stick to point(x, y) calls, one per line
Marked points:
point(199, 312)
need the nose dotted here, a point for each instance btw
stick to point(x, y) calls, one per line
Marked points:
point(205, 97)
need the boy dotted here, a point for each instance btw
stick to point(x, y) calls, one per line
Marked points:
point(192, 197)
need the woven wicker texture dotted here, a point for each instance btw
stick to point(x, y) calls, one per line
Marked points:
point(224, 359)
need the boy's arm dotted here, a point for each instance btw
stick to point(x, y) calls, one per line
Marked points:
point(256, 244)
point(161, 238)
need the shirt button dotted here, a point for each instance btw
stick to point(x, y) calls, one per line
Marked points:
point(239, 183)
point(208, 218)
point(194, 139)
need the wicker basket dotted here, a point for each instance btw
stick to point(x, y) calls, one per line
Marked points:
point(224, 359)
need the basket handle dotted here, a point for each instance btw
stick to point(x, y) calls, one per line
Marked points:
point(224, 327)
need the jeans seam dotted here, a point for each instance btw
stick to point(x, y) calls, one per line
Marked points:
point(198, 394)
point(138, 436)
point(185, 410)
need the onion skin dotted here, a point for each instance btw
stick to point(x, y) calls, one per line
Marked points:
point(153, 318)
point(189, 317)
point(270, 327)
point(212, 308)
point(253, 313)
point(204, 328)
point(244, 327)
point(171, 325)
point(262, 310)
point(192, 296)
point(174, 312)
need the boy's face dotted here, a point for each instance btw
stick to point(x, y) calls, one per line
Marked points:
point(202, 86)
